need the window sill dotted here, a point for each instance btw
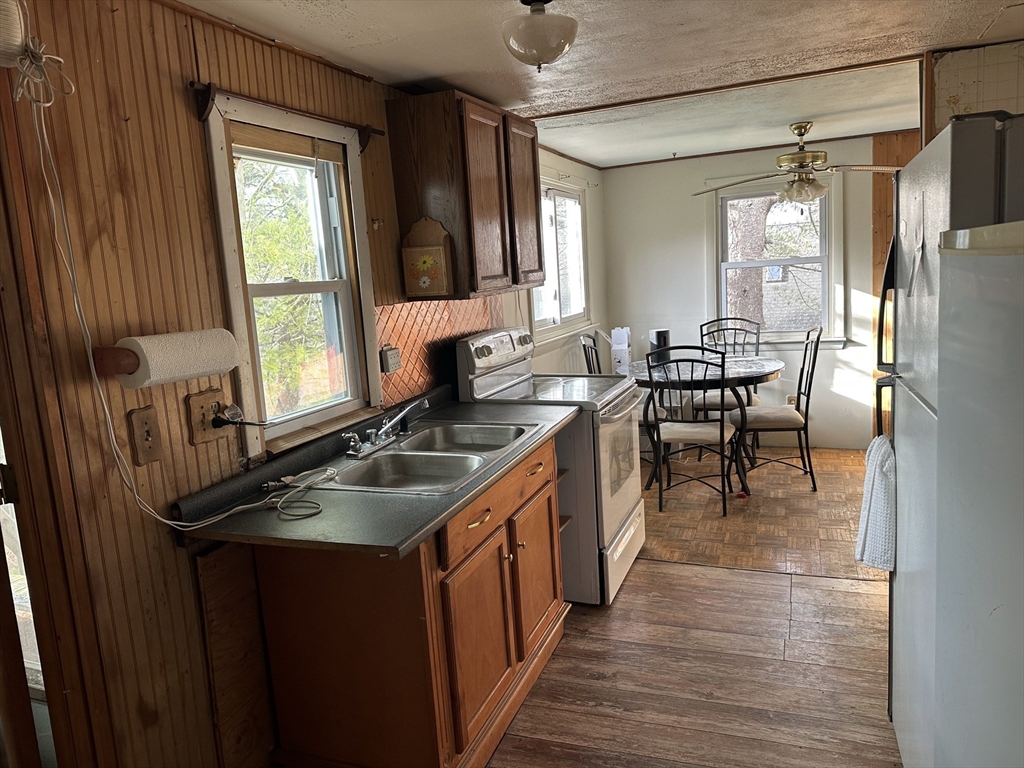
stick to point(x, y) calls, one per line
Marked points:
point(561, 333)
point(783, 345)
point(305, 434)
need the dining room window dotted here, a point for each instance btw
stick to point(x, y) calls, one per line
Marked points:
point(563, 297)
point(774, 261)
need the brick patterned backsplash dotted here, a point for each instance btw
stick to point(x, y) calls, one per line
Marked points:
point(426, 332)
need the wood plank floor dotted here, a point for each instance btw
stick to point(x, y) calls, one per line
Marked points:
point(783, 526)
point(706, 666)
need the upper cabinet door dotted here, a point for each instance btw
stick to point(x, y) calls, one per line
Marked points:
point(524, 197)
point(488, 209)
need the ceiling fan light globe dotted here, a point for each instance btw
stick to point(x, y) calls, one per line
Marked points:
point(816, 189)
point(539, 38)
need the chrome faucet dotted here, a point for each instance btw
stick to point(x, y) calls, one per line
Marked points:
point(400, 419)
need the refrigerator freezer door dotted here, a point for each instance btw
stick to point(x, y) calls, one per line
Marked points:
point(952, 183)
point(979, 681)
point(913, 614)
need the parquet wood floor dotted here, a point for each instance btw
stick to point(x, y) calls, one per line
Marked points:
point(783, 526)
point(705, 666)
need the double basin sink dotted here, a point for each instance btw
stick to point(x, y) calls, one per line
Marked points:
point(435, 459)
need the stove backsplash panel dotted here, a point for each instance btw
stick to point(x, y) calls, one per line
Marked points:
point(426, 332)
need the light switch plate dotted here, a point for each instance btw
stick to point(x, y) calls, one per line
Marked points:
point(390, 359)
point(144, 436)
point(201, 408)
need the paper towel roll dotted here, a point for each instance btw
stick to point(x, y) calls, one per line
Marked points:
point(169, 357)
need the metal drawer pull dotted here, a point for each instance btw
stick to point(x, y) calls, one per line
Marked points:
point(478, 523)
point(522, 545)
point(536, 470)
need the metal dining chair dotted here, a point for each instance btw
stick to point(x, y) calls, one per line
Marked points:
point(674, 431)
point(589, 342)
point(733, 336)
point(785, 418)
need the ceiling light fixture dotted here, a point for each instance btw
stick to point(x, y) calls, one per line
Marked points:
point(802, 189)
point(538, 37)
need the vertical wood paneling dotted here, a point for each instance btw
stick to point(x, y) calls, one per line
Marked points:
point(132, 159)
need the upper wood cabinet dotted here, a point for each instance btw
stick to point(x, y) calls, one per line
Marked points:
point(475, 169)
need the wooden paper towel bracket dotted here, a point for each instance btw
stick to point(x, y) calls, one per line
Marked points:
point(113, 361)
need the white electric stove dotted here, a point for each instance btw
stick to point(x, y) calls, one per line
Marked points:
point(600, 448)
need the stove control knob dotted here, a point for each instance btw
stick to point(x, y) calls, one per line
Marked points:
point(487, 350)
point(478, 352)
point(526, 339)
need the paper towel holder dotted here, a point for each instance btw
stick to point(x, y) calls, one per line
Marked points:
point(113, 361)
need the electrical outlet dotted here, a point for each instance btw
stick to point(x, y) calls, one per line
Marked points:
point(201, 408)
point(390, 359)
point(144, 436)
point(790, 399)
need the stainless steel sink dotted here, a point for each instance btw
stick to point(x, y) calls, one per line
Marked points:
point(475, 438)
point(408, 472)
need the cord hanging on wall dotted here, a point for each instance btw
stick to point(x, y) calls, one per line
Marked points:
point(564, 176)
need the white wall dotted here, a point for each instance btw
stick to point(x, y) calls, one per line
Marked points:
point(658, 276)
point(563, 353)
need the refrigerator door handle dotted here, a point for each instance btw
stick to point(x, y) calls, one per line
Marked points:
point(888, 284)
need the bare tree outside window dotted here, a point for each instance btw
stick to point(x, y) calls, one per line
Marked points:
point(562, 298)
point(774, 261)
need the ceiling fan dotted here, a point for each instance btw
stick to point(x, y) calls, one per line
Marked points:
point(802, 165)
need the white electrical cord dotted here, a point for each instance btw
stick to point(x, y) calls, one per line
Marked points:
point(35, 84)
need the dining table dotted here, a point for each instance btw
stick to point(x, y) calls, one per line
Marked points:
point(741, 372)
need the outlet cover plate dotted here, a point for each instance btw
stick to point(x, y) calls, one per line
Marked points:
point(390, 359)
point(201, 408)
point(144, 436)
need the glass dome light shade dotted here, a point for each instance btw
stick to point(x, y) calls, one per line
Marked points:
point(538, 38)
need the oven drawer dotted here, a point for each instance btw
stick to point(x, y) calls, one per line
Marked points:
point(476, 522)
point(617, 559)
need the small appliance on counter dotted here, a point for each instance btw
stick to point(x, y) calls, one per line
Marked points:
point(600, 449)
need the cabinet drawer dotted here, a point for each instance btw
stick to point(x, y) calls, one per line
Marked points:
point(482, 517)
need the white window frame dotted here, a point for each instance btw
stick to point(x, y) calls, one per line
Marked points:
point(573, 323)
point(833, 290)
point(229, 107)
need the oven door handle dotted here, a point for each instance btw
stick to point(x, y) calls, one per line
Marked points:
point(624, 412)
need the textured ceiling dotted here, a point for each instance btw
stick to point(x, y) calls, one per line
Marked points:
point(625, 49)
point(844, 104)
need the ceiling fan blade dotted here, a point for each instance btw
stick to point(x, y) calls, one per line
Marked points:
point(871, 168)
point(742, 181)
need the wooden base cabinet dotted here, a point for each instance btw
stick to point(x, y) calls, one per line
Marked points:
point(416, 662)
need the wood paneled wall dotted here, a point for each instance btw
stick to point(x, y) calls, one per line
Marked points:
point(111, 586)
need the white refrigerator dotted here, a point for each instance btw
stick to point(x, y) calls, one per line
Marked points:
point(957, 621)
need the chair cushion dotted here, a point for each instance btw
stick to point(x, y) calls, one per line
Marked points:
point(702, 432)
point(770, 417)
point(712, 400)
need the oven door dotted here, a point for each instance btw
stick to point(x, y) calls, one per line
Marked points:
point(617, 443)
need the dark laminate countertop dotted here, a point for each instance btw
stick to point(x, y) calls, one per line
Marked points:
point(391, 523)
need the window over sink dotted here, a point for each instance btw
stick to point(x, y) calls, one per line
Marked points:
point(298, 278)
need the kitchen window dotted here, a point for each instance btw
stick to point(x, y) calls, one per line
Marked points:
point(780, 263)
point(563, 297)
point(298, 281)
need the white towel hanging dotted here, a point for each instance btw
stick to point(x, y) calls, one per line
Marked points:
point(876, 538)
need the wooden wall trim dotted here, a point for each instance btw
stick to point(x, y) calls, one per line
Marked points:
point(927, 98)
point(35, 444)
point(569, 157)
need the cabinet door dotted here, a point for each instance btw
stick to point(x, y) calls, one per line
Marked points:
point(536, 569)
point(477, 602)
point(524, 200)
point(485, 187)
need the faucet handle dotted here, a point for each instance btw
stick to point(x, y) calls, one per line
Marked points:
point(371, 437)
